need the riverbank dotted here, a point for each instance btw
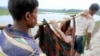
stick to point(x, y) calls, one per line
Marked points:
point(41, 11)
point(6, 12)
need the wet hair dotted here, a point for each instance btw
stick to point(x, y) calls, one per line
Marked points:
point(18, 8)
point(94, 6)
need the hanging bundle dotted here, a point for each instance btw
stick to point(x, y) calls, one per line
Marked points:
point(50, 43)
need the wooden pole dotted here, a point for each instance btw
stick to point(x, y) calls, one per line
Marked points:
point(59, 21)
point(41, 23)
point(2, 26)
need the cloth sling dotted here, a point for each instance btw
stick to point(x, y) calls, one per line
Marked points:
point(50, 43)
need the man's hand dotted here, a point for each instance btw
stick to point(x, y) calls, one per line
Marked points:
point(88, 41)
point(87, 47)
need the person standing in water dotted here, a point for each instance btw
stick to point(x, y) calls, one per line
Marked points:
point(15, 39)
point(84, 28)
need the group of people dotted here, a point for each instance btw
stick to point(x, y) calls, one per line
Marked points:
point(15, 39)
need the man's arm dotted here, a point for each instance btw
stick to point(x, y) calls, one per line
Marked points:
point(89, 33)
point(88, 36)
point(60, 33)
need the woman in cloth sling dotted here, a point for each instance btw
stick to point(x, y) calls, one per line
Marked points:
point(65, 36)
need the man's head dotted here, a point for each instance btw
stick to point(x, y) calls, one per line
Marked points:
point(24, 11)
point(93, 8)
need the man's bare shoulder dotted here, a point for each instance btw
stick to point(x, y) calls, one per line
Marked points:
point(84, 13)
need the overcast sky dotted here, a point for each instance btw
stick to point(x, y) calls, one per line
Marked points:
point(61, 4)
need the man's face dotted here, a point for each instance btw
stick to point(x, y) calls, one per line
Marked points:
point(93, 12)
point(32, 20)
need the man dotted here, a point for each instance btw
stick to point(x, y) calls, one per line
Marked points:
point(14, 39)
point(84, 27)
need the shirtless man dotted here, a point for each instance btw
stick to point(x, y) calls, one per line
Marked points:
point(84, 27)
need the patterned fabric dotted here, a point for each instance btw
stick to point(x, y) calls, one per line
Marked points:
point(83, 42)
point(80, 43)
point(17, 43)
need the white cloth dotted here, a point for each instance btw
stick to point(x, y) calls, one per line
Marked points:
point(84, 25)
point(68, 39)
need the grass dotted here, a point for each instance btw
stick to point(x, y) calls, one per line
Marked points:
point(41, 13)
point(4, 12)
point(70, 13)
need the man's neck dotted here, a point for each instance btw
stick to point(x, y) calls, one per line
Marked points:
point(21, 27)
point(90, 13)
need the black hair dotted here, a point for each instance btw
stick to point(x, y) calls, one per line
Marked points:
point(65, 26)
point(94, 6)
point(18, 8)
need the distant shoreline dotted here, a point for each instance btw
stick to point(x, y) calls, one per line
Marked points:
point(42, 11)
point(6, 12)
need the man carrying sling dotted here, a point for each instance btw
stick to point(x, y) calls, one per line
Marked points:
point(84, 27)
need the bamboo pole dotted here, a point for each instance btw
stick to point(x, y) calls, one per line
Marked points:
point(2, 26)
point(59, 21)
